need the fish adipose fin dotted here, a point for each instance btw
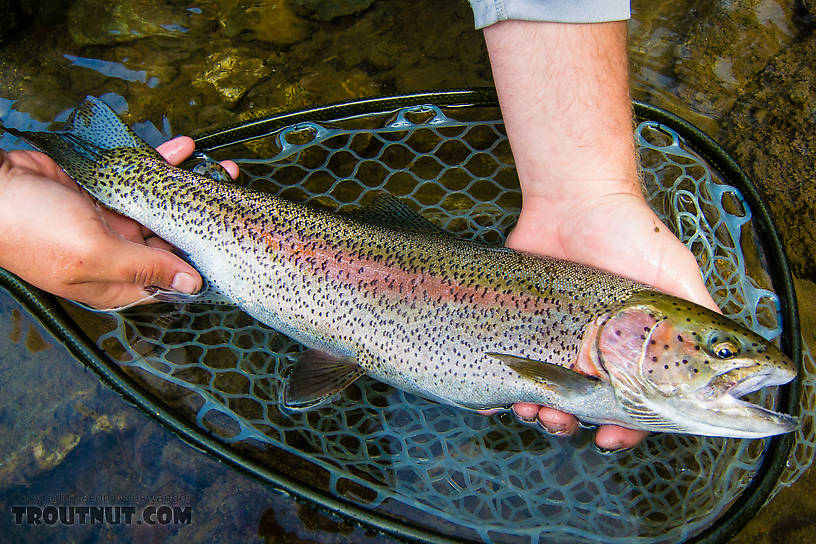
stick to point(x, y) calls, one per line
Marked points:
point(92, 129)
point(316, 377)
point(388, 211)
point(550, 376)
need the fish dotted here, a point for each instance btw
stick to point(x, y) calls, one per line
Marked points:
point(384, 292)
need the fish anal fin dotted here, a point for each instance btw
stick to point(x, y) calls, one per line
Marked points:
point(547, 375)
point(316, 376)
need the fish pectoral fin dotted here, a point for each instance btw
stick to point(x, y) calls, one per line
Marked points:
point(548, 375)
point(316, 376)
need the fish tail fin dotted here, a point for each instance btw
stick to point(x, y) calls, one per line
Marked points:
point(96, 123)
point(92, 129)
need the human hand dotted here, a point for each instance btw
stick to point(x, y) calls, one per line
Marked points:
point(617, 232)
point(58, 239)
point(564, 94)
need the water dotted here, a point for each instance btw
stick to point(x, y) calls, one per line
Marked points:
point(212, 63)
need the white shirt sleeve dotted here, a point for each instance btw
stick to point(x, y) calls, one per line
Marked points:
point(487, 12)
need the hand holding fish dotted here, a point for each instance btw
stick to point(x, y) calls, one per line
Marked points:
point(617, 232)
point(58, 239)
point(564, 94)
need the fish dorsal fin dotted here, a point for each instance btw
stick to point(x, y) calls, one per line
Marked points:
point(548, 375)
point(317, 376)
point(95, 122)
point(387, 211)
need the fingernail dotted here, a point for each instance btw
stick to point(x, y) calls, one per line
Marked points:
point(610, 451)
point(555, 430)
point(183, 283)
point(526, 419)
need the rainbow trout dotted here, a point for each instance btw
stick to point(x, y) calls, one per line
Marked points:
point(384, 292)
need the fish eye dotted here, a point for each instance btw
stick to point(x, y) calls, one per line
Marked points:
point(725, 350)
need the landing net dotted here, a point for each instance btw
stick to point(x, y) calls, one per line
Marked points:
point(423, 464)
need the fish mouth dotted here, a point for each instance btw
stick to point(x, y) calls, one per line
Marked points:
point(739, 382)
point(743, 419)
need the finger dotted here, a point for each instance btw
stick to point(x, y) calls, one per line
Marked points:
point(231, 168)
point(123, 226)
point(526, 411)
point(683, 279)
point(122, 261)
point(612, 437)
point(556, 422)
point(157, 243)
point(175, 151)
point(108, 296)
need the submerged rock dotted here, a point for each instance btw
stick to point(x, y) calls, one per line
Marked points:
point(111, 21)
point(268, 21)
point(326, 10)
point(231, 73)
point(772, 131)
point(722, 52)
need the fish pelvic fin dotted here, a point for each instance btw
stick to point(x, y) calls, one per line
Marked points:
point(552, 377)
point(316, 377)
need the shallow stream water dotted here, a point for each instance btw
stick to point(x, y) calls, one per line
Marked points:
point(741, 70)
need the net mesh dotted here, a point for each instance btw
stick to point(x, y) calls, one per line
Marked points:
point(422, 463)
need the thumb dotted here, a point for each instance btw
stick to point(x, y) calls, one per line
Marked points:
point(143, 266)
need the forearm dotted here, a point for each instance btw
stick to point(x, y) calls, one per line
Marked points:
point(564, 93)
